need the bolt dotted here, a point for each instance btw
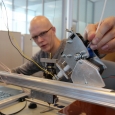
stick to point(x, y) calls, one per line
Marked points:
point(69, 55)
point(84, 56)
point(77, 57)
point(80, 62)
point(63, 55)
point(82, 52)
point(69, 41)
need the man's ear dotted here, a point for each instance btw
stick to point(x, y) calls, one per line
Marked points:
point(54, 29)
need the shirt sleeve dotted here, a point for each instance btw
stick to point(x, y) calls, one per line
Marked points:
point(29, 67)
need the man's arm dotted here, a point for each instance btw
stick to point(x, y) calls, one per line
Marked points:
point(29, 67)
point(104, 39)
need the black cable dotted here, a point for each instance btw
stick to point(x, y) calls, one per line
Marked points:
point(20, 54)
point(6, 14)
point(111, 76)
point(9, 33)
point(16, 47)
point(12, 42)
point(15, 112)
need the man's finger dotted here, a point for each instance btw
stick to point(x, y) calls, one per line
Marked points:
point(90, 32)
point(108, 37)
point(104, 28)
point(109, 47)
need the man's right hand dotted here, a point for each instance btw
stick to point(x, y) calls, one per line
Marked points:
point(104, 39)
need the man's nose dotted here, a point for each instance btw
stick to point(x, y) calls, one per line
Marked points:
point(40, 39)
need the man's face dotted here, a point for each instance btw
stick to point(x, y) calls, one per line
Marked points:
point(42, 36)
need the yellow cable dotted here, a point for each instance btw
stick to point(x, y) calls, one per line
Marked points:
point(50, 56)
point(23, 53)
point(17, 46)
point(26, 56)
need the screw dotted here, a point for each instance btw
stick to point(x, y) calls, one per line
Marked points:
point(63, 55)
point(83, 52)
point(69, 41)
point(69, 55)
point(80, 62)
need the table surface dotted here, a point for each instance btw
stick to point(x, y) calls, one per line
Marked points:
point(27, 111)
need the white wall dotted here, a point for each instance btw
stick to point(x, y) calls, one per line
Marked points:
point(109, 10)
point(35, 49)
point(8, 54)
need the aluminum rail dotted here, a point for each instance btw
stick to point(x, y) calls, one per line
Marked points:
point(93, 95)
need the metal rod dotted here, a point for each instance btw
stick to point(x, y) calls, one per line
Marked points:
point(85, 93)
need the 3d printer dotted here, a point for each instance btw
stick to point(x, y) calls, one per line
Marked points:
point(77, 62)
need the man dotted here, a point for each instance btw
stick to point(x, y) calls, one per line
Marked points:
point(43, 34)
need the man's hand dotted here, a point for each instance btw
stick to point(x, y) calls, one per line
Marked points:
point(104, 39)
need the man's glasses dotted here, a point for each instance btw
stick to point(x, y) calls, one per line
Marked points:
point(41, 34)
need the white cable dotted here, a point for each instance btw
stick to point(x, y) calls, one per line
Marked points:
point(101, 15)
point(5, 67)
point(100, 19)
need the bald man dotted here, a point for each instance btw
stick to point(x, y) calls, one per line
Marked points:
point(44, 35)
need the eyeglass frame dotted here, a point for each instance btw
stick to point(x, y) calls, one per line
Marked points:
point(41, 34)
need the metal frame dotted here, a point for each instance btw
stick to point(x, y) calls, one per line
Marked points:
point(63, 22)
point(85, 93)
point(69, 15)
point(26, 16)
point(7, 102)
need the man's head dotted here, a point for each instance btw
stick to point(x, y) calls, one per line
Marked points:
point(43, 33)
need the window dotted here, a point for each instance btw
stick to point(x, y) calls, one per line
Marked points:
point(53, 11)
point(19, 19)
point(6, 15)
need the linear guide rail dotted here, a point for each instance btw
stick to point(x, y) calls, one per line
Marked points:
point(95, 95)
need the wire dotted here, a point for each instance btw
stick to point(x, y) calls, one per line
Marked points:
point(27, 57)
point(101, 15)
point(6, 14)
point(21, 53)
point(4, 67)
point(112, 76)
point(15, 112)
point(8, 28)
point(100, 19)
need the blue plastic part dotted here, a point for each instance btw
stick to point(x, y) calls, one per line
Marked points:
point(91, 53)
